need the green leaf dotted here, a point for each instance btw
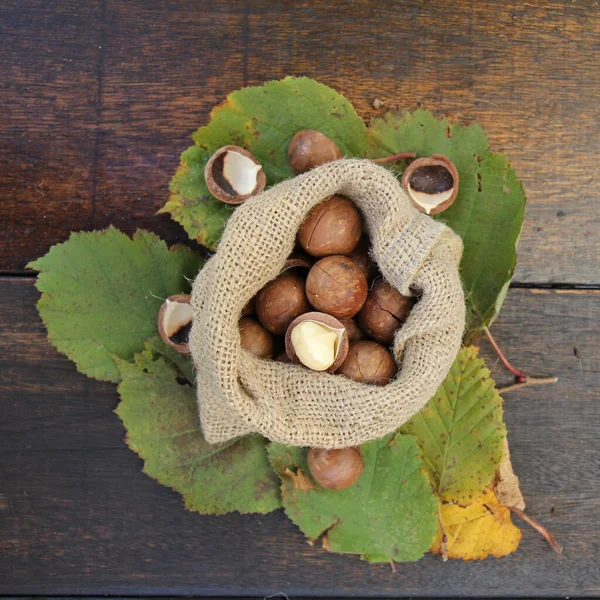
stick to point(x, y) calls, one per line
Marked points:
point(101, 292)
point(263, 120)
point(460, 431)
point(160, 415)
point(389, 514)
point(487, 213)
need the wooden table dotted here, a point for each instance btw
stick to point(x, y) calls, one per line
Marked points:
point(98, 99)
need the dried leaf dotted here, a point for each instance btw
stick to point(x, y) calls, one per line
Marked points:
point(389, 514)
point(507, 487)
point(460, 431)
point(481, 529)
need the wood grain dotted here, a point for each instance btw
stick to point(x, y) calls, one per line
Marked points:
point(101, 97)
point(79, 516)
point(50, 60)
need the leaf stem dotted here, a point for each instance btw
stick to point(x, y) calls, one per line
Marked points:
point(395, 157)
point(520, 376)
point(528, 381)
point(444, 536)
point(540, 528)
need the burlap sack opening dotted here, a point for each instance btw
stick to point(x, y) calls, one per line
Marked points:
point(239, 393)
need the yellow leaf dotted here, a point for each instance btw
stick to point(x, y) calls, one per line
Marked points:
point(480, 529)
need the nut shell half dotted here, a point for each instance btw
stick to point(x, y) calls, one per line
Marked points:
point(327, 321)
point(175, 322)
point(431, 183)
point(298, 260)
point(222, 188)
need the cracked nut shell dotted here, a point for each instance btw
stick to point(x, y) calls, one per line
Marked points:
point(384, 310)
point(175, 322)
point(431, 183)
point(337, 286)
point(228, 172)
point(328, 322)
point(333, 226)
point(369, 362)
point(281, 301)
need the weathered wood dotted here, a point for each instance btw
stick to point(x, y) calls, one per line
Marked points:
point(101, 98)
point(80, 517)
point(50, 58)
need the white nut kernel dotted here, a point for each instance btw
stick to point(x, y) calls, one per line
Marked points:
point(316, 345)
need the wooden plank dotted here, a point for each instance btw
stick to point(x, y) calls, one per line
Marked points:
point(529, 74)
point(50, 56)
point(79, 516)
point(167, 64)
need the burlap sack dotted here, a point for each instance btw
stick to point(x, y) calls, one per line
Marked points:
point(239, 393)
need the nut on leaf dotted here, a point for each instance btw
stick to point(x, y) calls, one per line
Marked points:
point(232, 175)
point(384, 310)
point(369, 362)
point(281, 301)
point(335, 469)
point(318, 341)
point(255, 338)
point(309, 148)
point(333, 226)
point(337, 286)
point(431, 183)
point(175, 322)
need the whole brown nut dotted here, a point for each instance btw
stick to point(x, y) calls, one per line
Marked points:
point(281, 301)
point(250, 307)
point(332, 227)
point(352, 329)
point(255, 338)
point(335, 469)
point(337, 286)
point(283, 358)
point(384, 310)
point(309, 149)
point(368, 362)
point(362, 257)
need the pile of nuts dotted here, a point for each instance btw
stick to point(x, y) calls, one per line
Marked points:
point(329, 309)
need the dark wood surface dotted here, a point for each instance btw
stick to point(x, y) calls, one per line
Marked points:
point(98, 99)
point(79, 516)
